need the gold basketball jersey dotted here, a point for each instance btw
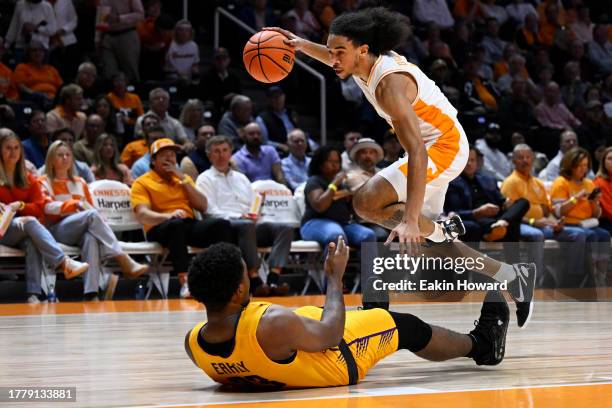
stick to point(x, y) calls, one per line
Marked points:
point(370, 335)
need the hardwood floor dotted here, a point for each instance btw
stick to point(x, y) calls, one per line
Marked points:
point(131, 354)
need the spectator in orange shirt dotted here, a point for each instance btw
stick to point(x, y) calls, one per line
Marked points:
point(106, 164)
point(8, 92)
point(127, 104)
point(552, 22)
point(573, 197)
point(528, 36)
point(36, 81)
point(164, 200)
point(73, 221)
point(67, 114)
point(138, 148)
point(604, 182)
point(21, 192)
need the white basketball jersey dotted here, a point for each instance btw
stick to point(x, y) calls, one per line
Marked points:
point(435, 113)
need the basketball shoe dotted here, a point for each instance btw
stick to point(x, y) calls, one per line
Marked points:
point(489, 335)
point(453, 227)
point(521, 290)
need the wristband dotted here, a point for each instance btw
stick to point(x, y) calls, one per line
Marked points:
point(21, 205)
point(332, 187)
point(187, 180)
point(531, 221)
point(573, 200)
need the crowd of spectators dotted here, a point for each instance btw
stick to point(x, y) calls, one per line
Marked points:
point(128, 91)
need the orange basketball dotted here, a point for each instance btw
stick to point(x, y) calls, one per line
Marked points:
point(267, 58)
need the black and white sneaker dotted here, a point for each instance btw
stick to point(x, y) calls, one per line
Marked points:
point(521, 290)
point(453, 227)
point(490, 332)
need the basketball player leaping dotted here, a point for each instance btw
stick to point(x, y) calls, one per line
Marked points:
point(405, 196)
point(263, 345)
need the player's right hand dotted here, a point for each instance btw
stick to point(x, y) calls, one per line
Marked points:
point(339, 179)
point(293, 40)
point(486, 210)
point(336, 260)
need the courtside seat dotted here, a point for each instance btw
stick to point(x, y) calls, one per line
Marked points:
point(300, 246)
point(194, 250)
point(141, 248)
point(8, 252)
point(70, 250)
point(305, 246)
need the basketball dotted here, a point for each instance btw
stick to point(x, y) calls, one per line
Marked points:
point(267, 58)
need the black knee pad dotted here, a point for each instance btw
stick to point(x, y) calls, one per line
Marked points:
point(413, 333)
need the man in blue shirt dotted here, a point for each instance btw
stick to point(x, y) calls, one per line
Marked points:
point(35, 147)
point(276, 121)
point(142, 165)
point(257, 161)
point(295, 166)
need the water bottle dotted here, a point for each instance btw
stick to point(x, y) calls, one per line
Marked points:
point(140, 292)
point(51, 296)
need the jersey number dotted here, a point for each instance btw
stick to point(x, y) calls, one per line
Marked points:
point(256, 381)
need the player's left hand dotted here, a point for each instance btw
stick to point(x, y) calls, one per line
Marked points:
point(409, 237)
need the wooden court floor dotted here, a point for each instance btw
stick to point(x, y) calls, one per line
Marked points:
point(130, 354)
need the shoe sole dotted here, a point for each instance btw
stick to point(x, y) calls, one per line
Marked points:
point(503, 344)
point(501, 299)
point(493, 297)
point(496, 234)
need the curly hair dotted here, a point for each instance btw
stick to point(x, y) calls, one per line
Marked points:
point(320, 156)
point(214, 275)
point(381, 29)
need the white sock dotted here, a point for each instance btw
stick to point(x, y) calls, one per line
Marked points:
point(505, 274)
point(438, 234)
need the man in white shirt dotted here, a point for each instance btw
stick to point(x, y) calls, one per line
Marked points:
point(183, 56)
point(495, 161)
point(33, 20)
point(350, 138)
point(230, 196)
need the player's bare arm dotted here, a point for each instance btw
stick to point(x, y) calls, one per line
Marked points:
point(395, 94)
point(313, 50)
point(302, 333)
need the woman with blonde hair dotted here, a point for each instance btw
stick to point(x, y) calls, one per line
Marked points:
point(192, 117)
point(20, 193)
point(73, 221)
point(106, 165)
point(604, 182)
point(576, 200)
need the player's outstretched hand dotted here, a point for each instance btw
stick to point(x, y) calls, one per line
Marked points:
point(337, 258)
point(409, 237)
point(292, 41)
